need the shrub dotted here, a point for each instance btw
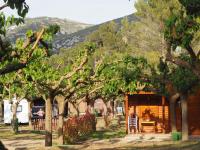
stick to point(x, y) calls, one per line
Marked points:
point(71, 130)
point(176, 136)
point(79, 126)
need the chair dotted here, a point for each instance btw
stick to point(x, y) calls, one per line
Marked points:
point(133, 123)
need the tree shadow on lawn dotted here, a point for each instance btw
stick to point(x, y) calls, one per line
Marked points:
point(30, 135)
point(96, 138)
point(2, 147)
point(104, 134)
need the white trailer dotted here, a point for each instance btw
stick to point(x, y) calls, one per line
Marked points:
point(22, 111)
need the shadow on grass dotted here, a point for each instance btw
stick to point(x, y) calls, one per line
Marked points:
point(37, 132)
point(29, 134)
point(104, 134)
point(2, 147)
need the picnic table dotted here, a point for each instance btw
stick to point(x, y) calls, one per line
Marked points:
point(148, 123)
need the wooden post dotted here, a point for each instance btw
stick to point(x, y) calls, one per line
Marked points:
point(126, 108)
point(163, 112)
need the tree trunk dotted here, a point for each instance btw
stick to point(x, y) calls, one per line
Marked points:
point(1, 111)
point(173, 116)
point(184, 118)
point(77, 111)
point(61, 105)
point(14, 111)
point(14, 119)
point(90, 106)
point(112, 104)
point(172, 101)
point(48, 122)
point(29, 114)
point(75, 105)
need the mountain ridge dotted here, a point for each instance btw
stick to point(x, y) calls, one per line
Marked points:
point(67, 26)
point(72, 32)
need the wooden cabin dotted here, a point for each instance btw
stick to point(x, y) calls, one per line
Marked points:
point(152, 112)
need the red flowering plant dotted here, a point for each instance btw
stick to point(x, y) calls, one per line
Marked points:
point(71, 130)
point(79, 126)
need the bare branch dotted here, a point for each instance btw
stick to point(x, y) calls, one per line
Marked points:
point(70, 74)
point(12, 67)
point(175, 97)
point(36, 43)
point(191, 52)
point(182, 63)
point(140, 86)
point(89, 93)
point(198, 54)
point(95, 89)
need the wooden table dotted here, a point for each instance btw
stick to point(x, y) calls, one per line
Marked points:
point(148, 123)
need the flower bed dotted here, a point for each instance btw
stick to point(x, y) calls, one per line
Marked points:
point(75, 127)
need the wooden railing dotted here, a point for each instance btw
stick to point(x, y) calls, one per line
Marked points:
point(39, 124)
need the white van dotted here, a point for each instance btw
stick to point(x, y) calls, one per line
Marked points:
point(22, 111)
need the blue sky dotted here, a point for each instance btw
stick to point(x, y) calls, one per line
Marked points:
point(87, 11)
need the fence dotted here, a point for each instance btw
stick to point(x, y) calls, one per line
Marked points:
point(39, 124)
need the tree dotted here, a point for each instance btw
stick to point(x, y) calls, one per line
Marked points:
point(184, 81)
point(108, 38)
point(51, 80)
point(179, 30)
point(182, 30)
point(16, 84)
point(5, 47)
point(8, 55)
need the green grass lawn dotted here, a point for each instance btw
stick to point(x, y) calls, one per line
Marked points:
point(110, 133)
point(24, 131)
point(105, 134)
point(113, 131)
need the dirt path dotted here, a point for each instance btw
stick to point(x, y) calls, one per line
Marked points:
point(28, 140)
point(22, 144)
point(109, 144)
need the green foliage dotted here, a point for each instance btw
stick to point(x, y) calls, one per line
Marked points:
point(180, 30)
point(50, 32)
point(107, 37)
point(20, 5)
point(183, 79)
point(178, 22)
point(29, 33)
point(21, 83)
point(22, 9)
point(122, 76)
point(176, 136)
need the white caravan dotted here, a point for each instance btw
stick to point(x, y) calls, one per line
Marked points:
point(22, 111)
